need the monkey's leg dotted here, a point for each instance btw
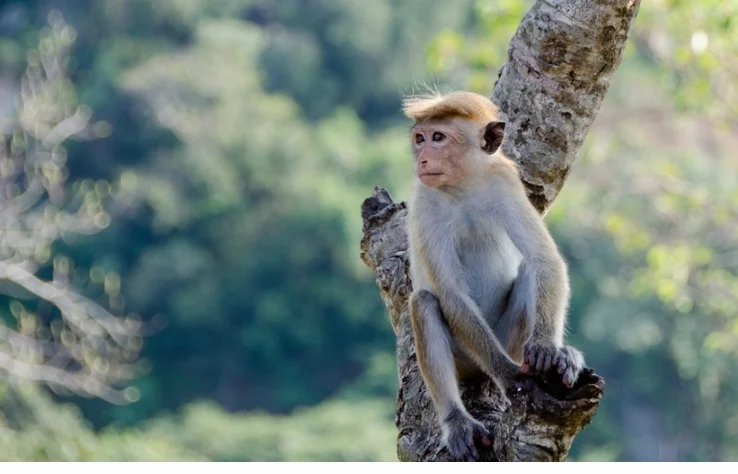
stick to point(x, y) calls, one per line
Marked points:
point(472, 332)
point(515, 326)
point(513, 329)
point(433, 346)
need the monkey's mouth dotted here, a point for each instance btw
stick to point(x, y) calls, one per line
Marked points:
point(430, 174)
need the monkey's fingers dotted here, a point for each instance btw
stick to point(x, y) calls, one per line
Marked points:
point(465, 437)
point(462, 449)
point(570, 365)
point(524, 368)
point(545, 357)
point(528, 355)
point(539, 357)
point(562, 362)
point(483, 436)
point(570, 376)
point(471, 452)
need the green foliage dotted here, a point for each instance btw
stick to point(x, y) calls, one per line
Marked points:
point(469, 58)
point(246, 133)
point(337, 430)
point(333, 431)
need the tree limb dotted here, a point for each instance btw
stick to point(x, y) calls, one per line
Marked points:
point(560, 64)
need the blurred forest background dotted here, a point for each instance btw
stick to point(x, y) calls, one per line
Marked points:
point(180, 184)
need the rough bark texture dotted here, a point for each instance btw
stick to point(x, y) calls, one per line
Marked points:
point(560, 64)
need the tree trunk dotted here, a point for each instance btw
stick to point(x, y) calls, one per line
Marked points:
point(560, 64)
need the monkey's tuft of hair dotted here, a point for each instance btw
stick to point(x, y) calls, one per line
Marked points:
point(469, 105)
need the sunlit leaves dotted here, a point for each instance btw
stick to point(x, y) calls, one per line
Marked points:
point(697, 41)
point(471, 58)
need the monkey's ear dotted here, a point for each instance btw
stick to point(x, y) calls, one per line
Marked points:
point(493, 133)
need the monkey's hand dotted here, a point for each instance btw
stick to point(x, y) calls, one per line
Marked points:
point(540, 358)
point(463, 434)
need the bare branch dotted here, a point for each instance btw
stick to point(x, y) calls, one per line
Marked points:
point(79, 383)
point(83, 348)
point(76, 308)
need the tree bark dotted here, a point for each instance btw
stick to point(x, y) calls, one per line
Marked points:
point(560, 64)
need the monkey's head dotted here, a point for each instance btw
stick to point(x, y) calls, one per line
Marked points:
point(453, 135)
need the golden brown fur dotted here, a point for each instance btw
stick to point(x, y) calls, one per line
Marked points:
point(468, 105)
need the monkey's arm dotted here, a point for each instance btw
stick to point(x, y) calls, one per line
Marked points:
point(542, 287)
point(464, 318)
point(542, 267)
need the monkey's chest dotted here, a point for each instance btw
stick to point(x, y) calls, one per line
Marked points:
point(490, 263)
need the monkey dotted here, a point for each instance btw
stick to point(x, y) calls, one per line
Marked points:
point(490, 286)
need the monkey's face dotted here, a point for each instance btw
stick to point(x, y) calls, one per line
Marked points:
point(442, 153)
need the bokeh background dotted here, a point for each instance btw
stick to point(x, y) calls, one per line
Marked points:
point(180, 184)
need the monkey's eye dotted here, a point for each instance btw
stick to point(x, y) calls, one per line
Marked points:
point(438, 136)
point(419, 138)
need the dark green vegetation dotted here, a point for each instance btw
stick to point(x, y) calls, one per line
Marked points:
point(248, 132)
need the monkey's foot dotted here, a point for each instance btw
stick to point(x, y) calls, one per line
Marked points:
point(463, 434)
point(540, 358)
